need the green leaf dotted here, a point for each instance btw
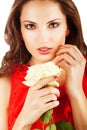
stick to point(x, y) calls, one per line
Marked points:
point(62, 125)
point(51, 127)
point(46, 117)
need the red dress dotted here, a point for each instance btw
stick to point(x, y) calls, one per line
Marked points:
point(18, 94)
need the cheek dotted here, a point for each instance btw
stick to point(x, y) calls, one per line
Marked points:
point(59, 38)
point(62, 39)
point(29, 39)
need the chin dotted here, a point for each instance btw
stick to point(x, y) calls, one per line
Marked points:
point(47, 59)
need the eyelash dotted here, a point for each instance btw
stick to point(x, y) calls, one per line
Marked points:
point(54, 25)
point(51, 25)
point(30, 26)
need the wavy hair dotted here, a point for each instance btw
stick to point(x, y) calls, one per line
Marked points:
point(18, 54)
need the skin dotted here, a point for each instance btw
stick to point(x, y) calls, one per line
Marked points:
point(49, 29)
point(42, 29)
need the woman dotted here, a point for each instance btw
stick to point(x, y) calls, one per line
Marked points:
point(38, 32)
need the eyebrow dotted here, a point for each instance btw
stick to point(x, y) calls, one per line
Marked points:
point(29, 21)
point(53, 20)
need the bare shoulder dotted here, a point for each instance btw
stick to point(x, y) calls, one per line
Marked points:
point(4, 80)
point(4, 91)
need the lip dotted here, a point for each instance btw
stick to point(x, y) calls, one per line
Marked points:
point(44, 50)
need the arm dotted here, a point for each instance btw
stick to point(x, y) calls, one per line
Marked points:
point(73, 62)
point(4, 100)
point(38, 101)
point(79, 110)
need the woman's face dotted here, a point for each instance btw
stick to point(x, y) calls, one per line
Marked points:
point(43, 28)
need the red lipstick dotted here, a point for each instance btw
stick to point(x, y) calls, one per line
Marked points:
point(44, 50)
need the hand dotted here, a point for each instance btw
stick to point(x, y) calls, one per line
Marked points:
point(73, 62)
point(39, 99)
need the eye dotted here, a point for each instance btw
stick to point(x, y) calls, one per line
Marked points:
point(30, 26)
point(53, 25)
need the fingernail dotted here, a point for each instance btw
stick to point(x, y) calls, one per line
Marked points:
point(58, 103)
point(55, 77)
point(58, 53)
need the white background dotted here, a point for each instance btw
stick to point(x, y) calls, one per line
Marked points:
point(5, 6)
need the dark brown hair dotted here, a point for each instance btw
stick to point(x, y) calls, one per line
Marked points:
point(18, 54)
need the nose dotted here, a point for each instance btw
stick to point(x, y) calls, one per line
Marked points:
point(43, 36)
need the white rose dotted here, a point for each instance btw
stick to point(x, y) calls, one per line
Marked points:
point(39, 71)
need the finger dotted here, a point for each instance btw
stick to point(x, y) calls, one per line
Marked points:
point(76, 49)
point(56, 59)
point(48, 98)
point(43, 82)
point(49, 90)
point(72, 51)
point(67, 59)
point(64, 65)
point(51, 105)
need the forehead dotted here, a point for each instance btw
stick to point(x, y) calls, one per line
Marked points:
point(41, 9)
